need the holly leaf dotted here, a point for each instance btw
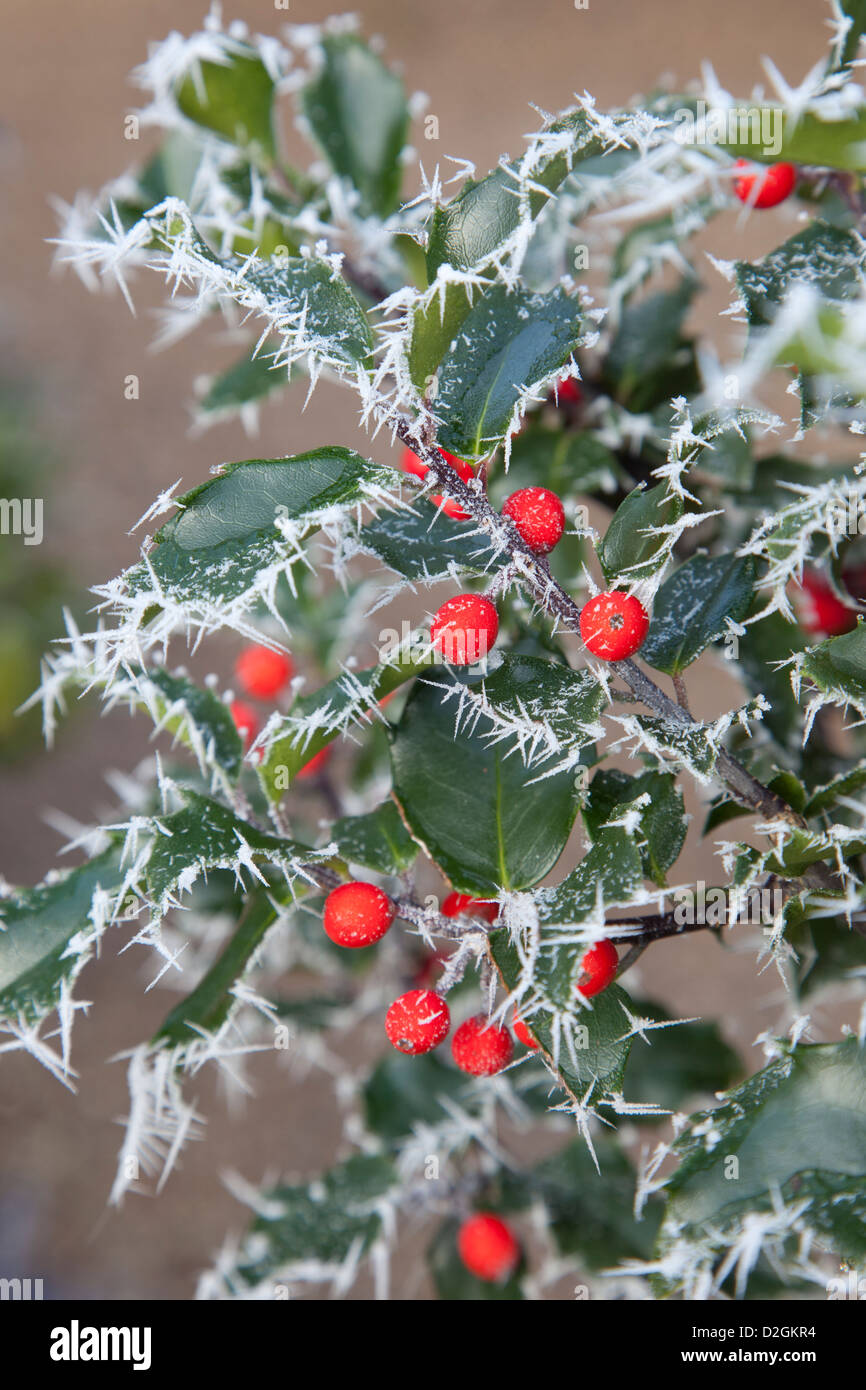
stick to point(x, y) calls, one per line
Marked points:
point(234, 99)
point(378, 840)
point(508, 343)
point(649, 360)
point(358, 113)
point(829, 258)
point(662, 825)
point(692, 606)
point(477, 811)
point(318, 1222)
point(564, 461)
point(241, 387)
point(797, 1131)
point(668, 1065)
point(590, 1211)
point(420, 545)
point(837, 668)
point(48, 933)
point(629, 550)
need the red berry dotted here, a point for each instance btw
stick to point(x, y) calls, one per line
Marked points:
point(522, 1033)
point(567, 391)
point(263, 673)
point(417, 1021)
point(598, 967)
point(317, 762)
point(464, 628)
point(357, 914)
point(613, 625)
point(538, 515)
point(246, 721)
point(480, 1047)
point(775, 183)
point(412, 464)
point(457, 903)
point(488, 1248)
point(819, 611)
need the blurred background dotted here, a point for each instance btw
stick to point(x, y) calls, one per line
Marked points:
point(69, 435)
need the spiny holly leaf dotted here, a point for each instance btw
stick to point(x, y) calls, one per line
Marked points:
point(201, 719)
point(357, 109)
point(319, 1221)
point(588, 1047)
point(759, 651)
point(662, 826)
point(205, 835)
point(405, 1092)
point(48, 933)
point(649, 360)
point(824, 798)
point(233, 99)
point(469, 230)
point(827, 257)
point(378, 840)
point(315, 720)
point(666, 1065)
point(473, 806)
point(545, 710)
point(508, 342)
point(628, 550)
point(848, 41)
point(453, 1280)
point(829, 952)
point(797, 1130)
point(224, 551)
point(691, 608)
point(838, 668)
point(422, 546)
point(298, 285)
point(688, 747)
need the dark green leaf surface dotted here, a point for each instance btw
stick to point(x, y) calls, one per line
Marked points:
point(445, 785)
point(378, 840)
point(626, 551)
point(663, 823)
point(358, 112)
point(403, 1092)
point(691, 607)
point(234, 100)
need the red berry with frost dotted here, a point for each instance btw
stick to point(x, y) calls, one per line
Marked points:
point(357, 914)
point(598, 968)
point(774, 184)
point(568, 391)
point(317, 762)
point(539, 517)
point(481, 1048)
point(458, 903)
point(245, 720)
point(465, 628)
point(613, 625)
point(522, 1033)
point(819, 611)
point(488, 1247)
point(417, 1022)
point(412, 464)
point(263, 673)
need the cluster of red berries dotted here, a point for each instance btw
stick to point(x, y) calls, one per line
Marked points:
point(764, 187)
point(263, 674)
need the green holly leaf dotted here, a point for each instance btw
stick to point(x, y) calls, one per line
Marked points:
point(566, 462)
point(838, 668)
point(508, 342)
point(662, 830)
point(797, 1132)
point(848, 43)
point(826, 257)
point(806, 138)
point(378, 840)
point(47, 934)
point(692, 606)
point(246, 384)
point(445, 782)
point(319, 1221)
point(201, 719)
point(358, 112)
point(219, 553)
point(421, 545)
point(628, 550)
point(590, 1211)
point(233, 99)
